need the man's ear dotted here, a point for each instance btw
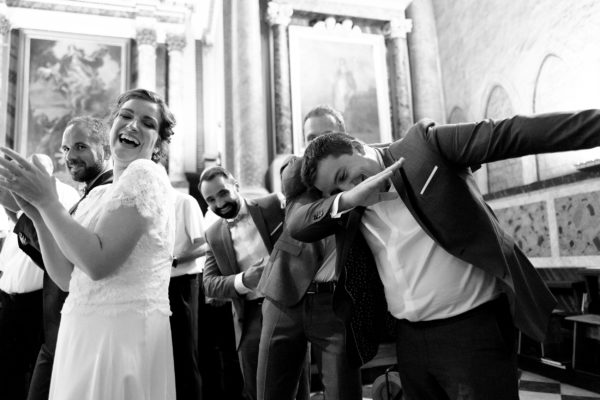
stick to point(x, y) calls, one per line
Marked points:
point(358, 146)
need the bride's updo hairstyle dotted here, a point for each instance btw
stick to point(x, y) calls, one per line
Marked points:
point(167, 119)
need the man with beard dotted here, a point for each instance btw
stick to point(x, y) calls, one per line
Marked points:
point(21, 283)
point(86, 152)
point(240, 244)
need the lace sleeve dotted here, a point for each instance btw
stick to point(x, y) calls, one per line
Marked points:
point(143, 185)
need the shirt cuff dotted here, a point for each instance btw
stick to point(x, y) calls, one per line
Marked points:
point(239, 284)
point(334, 208)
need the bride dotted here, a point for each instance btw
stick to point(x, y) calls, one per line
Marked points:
point(114, 258)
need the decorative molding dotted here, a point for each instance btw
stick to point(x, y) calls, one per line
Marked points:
point(4, 25)
point(123, 12)
point(331, 25)
point(397, 28)
point(146, 36)
point(279, 13)
point(39, 5)
point(175, 42)
point(342, 8)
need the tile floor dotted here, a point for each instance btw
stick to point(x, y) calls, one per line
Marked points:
point(532, 387)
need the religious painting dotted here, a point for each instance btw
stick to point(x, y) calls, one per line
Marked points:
point(63, 76)
point(345, 70)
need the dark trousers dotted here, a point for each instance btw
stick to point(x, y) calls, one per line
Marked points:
point(39, 388)
point(183, 296)
point(284, 343)
point(471, 356)
point(20, 341)
point(219, 364)
point(248, 348)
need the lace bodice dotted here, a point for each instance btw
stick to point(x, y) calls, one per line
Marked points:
point(141, 283)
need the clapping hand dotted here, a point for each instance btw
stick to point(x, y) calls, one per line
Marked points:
point(27, 180)
point(368, 192)
point(252, 275)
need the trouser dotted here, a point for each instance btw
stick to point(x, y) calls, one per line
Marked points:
point(248, 348)
point(39, 388)
point(183, 296)
point(471, 356)
point(283, 348)
point(20, 341)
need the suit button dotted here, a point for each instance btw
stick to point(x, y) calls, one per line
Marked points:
point(318, 215)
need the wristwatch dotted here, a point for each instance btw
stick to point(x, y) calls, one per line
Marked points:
point(175, 262)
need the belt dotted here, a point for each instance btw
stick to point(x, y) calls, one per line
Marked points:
point(321, 287)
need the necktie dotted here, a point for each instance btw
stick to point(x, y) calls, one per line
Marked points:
point(74, 208)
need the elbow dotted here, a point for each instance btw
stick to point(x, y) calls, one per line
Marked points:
point(97, 272)
point(63, 285)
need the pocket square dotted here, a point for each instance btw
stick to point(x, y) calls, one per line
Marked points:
point(435, 168)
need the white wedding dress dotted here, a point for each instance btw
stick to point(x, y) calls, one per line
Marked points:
point(114, 340)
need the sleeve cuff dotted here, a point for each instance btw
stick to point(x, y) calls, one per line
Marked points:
point(239, 284)
point(335, 213)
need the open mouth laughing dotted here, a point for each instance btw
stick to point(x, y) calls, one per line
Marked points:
point(129, 140)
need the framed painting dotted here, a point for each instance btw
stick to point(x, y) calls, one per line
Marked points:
point(63, 76)
point(346, 70)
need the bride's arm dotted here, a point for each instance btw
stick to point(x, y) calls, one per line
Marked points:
point(101, 252)
point(57, 265)
point(98, 253)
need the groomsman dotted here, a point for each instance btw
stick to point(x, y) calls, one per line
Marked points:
point(239, 246)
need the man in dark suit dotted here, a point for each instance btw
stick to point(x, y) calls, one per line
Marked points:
point(86, 153)
point(453, 279)
point(239, 246)
point(303, 296)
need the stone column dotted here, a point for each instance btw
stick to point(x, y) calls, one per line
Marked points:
point(146, 63)
point(4, 80)
point(426, 75)
point(399, 75)
point(245, 99)
point(4, 48)
point(175, 46)
point(279, 17)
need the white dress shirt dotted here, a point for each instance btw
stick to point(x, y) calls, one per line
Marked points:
point(249, 248)
point(421, 280)
point(189, 230)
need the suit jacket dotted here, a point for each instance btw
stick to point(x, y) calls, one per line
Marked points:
point(437, 187)
point(53, 297)
point(221, 265)
point(293, 264)
point(358, 298)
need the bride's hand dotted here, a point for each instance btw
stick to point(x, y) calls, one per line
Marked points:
point(30, 181)
point(27, 207)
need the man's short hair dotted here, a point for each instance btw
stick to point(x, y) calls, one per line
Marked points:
point(330, 144)
point(325, 110)
point(98, 131)
point(211, 173)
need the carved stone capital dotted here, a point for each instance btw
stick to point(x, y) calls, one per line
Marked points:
point(4, 25)
point(279, 14)
point(146, 36)
point(175, 42)
point(397, 28)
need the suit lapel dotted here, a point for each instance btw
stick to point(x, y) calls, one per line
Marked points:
point(401, 183)
point(257, 216)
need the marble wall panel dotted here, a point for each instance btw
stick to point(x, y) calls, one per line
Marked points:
point(578, 223)
point(528, 225)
